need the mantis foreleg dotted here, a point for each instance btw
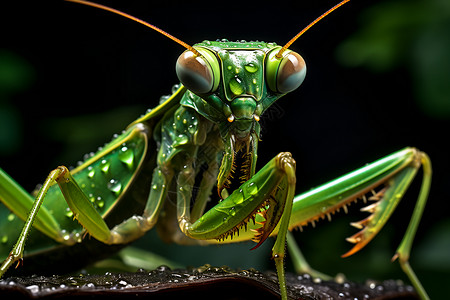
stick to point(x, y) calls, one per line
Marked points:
point(268, 195)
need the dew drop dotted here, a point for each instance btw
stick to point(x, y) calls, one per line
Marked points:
point(69, 213)
point(163, 268)
point(123, 282)
point(33, 289)
point(232, 211)
point(91, 172)
point(65, 235)
point(100, 202)
point(163, 98)
point(115, 186)
point(91, 198)
point(11, 217)
point(191, 129)
point(235, 86)
point(126, 156)
point(251, 68)
point(250, 189)
point(89, 285)
point(175, 87)
point(105, 166)
point(182, 139)
point(77, 237)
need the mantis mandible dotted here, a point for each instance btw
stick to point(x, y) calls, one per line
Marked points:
point(210, 127)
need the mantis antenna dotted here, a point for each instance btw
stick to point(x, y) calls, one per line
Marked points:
point(288, 44)
point(88, 3)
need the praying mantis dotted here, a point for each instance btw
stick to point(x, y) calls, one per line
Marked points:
point(276, 209)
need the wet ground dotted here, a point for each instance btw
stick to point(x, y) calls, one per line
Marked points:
point(205, 283)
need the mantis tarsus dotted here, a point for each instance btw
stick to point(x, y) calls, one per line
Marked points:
point(220, 111)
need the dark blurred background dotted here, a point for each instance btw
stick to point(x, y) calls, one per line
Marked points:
point(378, 80)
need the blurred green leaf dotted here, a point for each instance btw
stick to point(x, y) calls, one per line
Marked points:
point(407, 34)
point(435, 249)
point(16, 75)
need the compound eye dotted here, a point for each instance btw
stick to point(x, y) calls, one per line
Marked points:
point(195, 73)
point(286, 74)
point(291, 73)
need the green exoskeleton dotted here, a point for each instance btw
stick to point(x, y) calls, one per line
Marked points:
point(207, 134)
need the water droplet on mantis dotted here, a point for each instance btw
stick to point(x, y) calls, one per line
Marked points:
point(100, 202)
point(251, 68)
point(105, 166)
point(126, 156)
point(191, 129)
point(175, 87)
point(91, 197)
point(115, 186)
point(182, 139)
point(250, 189)
point(91, 172)
point(69, 213)
point(65, 235)
point(235, 86)
point(11, 217)
point(232, 211)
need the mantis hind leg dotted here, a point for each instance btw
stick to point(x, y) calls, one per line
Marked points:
point(16, 253)
point(403, 251)
point(75, 193)
point(393, 174)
